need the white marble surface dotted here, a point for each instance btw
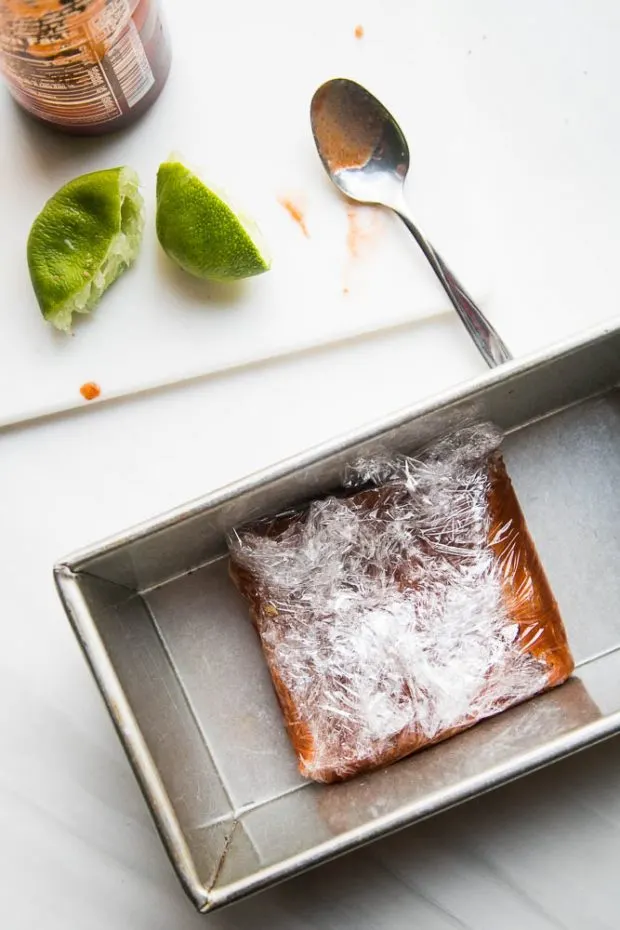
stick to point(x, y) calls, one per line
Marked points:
point(77, 848)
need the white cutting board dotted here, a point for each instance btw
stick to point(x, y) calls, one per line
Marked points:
point(512, 114)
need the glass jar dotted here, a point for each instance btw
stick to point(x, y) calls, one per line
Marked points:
point(85, 66)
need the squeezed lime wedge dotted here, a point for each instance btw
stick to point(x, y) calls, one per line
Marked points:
point(85, 236)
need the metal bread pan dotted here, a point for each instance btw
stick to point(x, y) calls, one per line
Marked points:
point(181, 671)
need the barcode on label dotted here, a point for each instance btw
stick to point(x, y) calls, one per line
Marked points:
point(131, 66)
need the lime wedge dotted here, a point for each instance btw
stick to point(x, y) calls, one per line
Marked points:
point(85, 236)
point(201, 232)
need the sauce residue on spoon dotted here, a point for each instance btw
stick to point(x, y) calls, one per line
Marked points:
point(347, 134)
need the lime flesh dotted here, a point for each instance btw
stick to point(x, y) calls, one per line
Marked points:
point(86, 235)
point(201, 232)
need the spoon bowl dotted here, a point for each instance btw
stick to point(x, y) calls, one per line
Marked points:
point(365, 153)
point(362, 147)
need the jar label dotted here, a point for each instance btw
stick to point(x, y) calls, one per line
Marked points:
point(87, 69)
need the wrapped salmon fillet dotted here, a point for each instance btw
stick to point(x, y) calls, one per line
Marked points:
point(404, 611)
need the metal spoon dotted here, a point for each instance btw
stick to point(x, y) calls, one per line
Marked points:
point(366, 155)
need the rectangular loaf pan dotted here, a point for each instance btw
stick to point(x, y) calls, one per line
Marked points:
point(180, 667)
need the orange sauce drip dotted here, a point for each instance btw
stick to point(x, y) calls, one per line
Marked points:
point(295, 213)
point(354, 232)
point(90, 390)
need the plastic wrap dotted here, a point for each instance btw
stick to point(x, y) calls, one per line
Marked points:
point(398, 614)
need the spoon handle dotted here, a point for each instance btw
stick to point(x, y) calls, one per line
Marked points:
point(488, 342)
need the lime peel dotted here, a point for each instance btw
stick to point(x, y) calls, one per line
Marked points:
point(87, 234)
